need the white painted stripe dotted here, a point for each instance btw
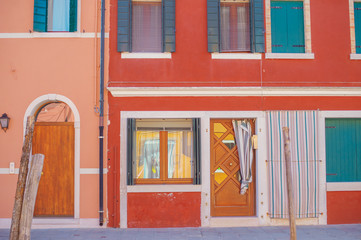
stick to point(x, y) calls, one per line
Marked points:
point(46, 223)
point(82, 171)
point(354, 56)
point(164, 188)
point(51, 35)
point(290, 56)
point(343, 186)
point(232, 91)
point(127, 55)
point(236, 56)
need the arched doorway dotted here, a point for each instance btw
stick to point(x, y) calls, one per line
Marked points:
point(54, 137)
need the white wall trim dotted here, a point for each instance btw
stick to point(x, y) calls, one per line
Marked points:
point(7, 171)
point(92, 171)
point(290, 56)
point(51, 35)
point(31, 110)
point(232, 91)
point(206, 220)
point(47, 223)
point(343, 186)
point(132, 55)
point(250, 56)
point(234, 222)
point(355, 56)
point(163, 188)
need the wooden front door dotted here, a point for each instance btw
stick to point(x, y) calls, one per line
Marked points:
point(55, 196)
point(226, 199)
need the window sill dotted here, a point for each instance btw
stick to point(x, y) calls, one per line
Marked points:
point(127, 55)
point(343, 186)
point(165, 188)
point(52, 35)
point(257, 56)
point(290, 56)
point(355, 56)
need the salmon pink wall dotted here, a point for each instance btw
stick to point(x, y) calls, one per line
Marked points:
point(155, 210)
point(343, 207)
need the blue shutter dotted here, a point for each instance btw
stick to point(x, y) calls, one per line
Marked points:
point(131, 143)
point(343, 144)
point(124, 27)
point(213, 25)
point(279, 26)
point(295, 28)
point(357, 10)
point(196, 150)
point(40, 15)
point(168, 25)
point(73, 21)
point(257, 25)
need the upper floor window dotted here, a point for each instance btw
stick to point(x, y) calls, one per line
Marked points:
point(146, 26)
point(55, 15)
point(357, 17)
point(235, 26)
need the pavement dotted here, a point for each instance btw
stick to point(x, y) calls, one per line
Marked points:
point(328, 232)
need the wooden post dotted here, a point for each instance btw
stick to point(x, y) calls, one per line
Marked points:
point(31, 190)
point(291, 200)
point(23, 172)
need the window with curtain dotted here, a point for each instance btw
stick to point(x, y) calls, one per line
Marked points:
point(234, 26)
point(146, 26)
point(162, 151)
point(357, 17)
point(287, 27)
point(55, 15)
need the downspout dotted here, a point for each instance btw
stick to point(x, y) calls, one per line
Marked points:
point(101, 116)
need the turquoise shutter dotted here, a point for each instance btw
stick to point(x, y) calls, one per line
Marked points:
point(257, 26)
point(213, 25)
point(295, 28)
point(131, 143)
point(40, 15)
point(124, 26)
point(168, 25)
point(73, 21)
point(343, 144)
point(196, 150)
point(357, 10)
point(279, 26)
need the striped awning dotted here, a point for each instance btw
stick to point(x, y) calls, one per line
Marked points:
point(304, 163)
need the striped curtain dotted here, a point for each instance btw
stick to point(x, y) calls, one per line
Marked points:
point(304, 163)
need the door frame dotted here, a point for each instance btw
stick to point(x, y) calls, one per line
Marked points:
point(33, 108)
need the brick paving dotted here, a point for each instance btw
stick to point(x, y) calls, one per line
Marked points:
point(329, 232)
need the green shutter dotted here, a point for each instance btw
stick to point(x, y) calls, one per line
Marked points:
point(213, 25)
point(168, 25)
point(257, 25)
point(124, 26)
point(343, 150)
point(131, 138)
point(295, 28)
point(73, 21)
point(357, 10)
point(197, 150)
point(40, 15)
point(287, 26)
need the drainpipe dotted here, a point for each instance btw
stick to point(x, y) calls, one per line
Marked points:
point(101, 115)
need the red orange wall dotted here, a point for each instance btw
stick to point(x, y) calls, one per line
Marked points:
point(343, 207)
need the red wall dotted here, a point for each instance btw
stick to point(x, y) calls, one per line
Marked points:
point(155, 210)
point(343, 207)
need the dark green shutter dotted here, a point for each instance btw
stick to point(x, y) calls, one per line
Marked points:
point(357, 10)
point(197, 150)
point(124, 25)
point(40, 15)
point(279, 26)
point(213, 25)
point(257, 26)
point(296, 29)
point(168, 25)
point(131, 138)
point(343, 150)
point(73, 15)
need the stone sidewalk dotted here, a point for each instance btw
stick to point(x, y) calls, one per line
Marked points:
point(329, 232)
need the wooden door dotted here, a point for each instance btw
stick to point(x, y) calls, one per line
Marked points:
point(55, 196)
point(226, 199)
